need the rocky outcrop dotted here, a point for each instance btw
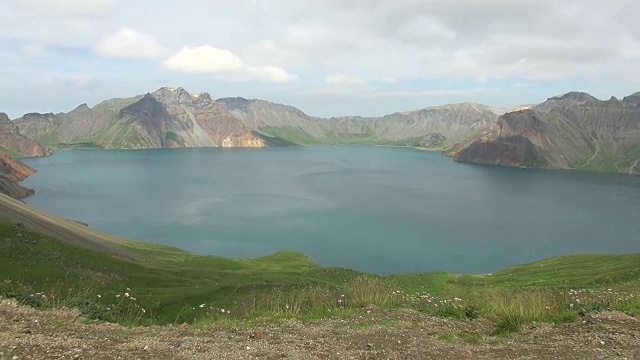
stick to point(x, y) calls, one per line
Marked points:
point(573, 131)
point(247, 140)
point(14, 142)
point(13, 171)
point(516, 151)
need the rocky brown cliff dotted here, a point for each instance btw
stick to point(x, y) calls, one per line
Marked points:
point(13, 171)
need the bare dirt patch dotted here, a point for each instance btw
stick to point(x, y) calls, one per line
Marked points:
point(26, 333)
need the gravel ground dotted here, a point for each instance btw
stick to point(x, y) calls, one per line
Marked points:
point(26, 333)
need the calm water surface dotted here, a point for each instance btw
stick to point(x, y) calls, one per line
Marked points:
point(376, 209)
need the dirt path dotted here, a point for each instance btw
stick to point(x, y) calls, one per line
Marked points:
point(29, 334)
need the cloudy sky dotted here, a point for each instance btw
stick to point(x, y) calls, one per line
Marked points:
point(327, 57)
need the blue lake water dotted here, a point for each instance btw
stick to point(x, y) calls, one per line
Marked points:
point(376, 209)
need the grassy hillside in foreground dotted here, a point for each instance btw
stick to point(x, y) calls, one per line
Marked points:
point(46, 261)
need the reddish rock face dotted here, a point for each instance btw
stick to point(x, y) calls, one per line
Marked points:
point(12, 140)
point(11, 172)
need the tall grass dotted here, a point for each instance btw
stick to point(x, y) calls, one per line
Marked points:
point(361, 292)
point(511, 312)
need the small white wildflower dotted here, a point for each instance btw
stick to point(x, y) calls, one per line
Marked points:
point(143, 310)
point(126, 294)
point(128, 289)
point(99, 296)
point(118, 295)
point(202, 305)
point(133, 299)
point(222, 311)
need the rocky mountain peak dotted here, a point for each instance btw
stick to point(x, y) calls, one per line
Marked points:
point(633, 99)
point(202, 95)
point(569, 99)
point(180, 96)
point(4, 118)
point(576, 96)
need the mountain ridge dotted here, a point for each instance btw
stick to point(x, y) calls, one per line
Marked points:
point(568, 131)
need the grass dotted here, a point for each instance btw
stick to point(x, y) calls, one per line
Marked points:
point(162, 285)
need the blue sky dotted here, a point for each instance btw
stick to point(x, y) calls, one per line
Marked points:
point(357, 57)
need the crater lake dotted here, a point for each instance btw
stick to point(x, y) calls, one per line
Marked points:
point(376, 209)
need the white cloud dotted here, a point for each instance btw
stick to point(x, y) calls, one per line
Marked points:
point(129, 43)
point(343, 80)
point(204, 59)
point(207, 59)
point(272, 74)
point(66, 8)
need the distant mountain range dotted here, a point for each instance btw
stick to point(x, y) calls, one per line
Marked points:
point(171, 117)
point(572, 131)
